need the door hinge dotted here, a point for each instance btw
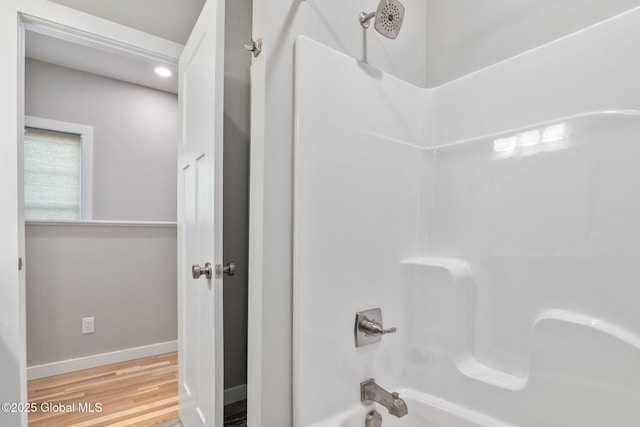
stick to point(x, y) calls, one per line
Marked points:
point(20, 264)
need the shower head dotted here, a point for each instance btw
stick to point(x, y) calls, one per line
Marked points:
point(388, 18)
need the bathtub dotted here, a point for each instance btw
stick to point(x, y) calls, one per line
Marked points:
point(424, 411)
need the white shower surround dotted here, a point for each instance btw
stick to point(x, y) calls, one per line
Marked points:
point(494, 220)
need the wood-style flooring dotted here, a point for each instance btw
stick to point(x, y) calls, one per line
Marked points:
point(138, 393)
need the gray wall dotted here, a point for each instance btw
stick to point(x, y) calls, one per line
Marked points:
point(236, 188)
point(125, 277)
point(135, 138)
point(466, 35)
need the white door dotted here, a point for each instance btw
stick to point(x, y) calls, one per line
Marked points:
point(200, 221)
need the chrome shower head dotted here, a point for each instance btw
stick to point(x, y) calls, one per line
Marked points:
point(389, 16)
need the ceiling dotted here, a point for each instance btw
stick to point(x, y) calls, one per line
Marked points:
point(83, 58)
point(170, 19)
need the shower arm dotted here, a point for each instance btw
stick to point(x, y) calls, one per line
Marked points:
point(365, 18)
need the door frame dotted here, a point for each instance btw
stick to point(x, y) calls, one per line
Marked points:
point(62, 22)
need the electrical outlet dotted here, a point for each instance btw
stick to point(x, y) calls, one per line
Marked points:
point(87, 325)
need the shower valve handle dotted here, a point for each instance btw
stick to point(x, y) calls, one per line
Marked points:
point(372, 328)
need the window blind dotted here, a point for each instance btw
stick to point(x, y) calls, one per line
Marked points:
point(52, 175)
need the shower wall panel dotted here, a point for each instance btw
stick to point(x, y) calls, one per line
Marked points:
point(592, 70)
point(536, 163)
point(498, 231)
point(357, 214)
point(526, 308)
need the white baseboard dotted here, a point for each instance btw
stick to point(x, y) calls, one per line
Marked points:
point(87, 362)
point(235, 394)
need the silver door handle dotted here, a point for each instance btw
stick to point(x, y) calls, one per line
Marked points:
point(198, 271)
point(229, 269)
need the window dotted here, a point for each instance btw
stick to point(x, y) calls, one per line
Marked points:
point(57, 170)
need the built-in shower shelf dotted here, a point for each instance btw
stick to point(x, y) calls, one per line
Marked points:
point(461, 278)
point(472, 368)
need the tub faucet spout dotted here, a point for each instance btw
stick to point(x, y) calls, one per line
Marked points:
point(369, 390)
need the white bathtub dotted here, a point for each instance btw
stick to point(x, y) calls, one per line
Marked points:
point(424, 411)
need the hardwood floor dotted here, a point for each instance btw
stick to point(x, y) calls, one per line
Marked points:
point(137, 393)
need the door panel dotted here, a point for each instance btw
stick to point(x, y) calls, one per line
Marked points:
point(200, 221)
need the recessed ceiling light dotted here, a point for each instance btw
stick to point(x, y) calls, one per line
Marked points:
point(163, 72)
